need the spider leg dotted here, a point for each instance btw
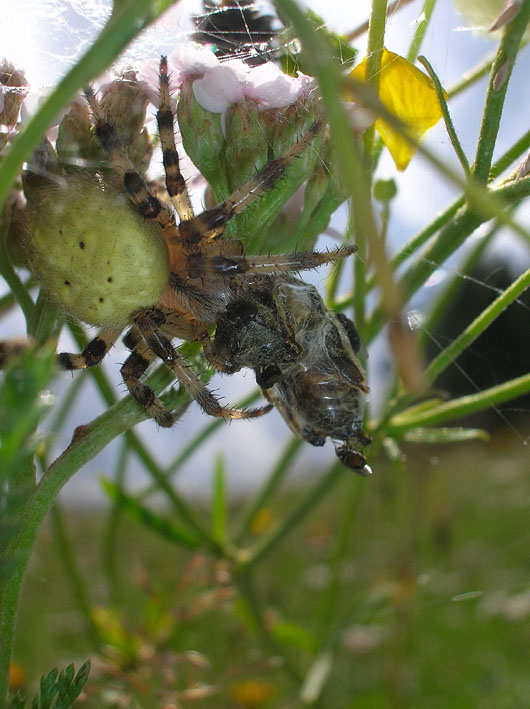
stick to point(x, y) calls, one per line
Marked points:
point(149, 324)
point(200, 266)
point(210, 224)
point(93, 353)
point(147, 204)
point(132, 370)
point(175, 183)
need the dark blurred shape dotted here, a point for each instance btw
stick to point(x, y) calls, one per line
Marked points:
point(236, 28)
point(501, 353)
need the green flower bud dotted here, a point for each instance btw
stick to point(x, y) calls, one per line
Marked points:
point(202, 138)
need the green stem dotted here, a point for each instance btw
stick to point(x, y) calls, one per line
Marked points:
point(509, 157)
point(459, 344)
point(421, 29)
point(8, 300)
point(374, 55)
point(449, 239)
point(447, 117)
point(444, 217)
point(476, 328)
point(497, 87)
point(464, 406)
point(332, 282)
point(73, 573)
point(360, 281)
point(394, 7)
point(376, 42)
point(9, 604)
point(448, 294)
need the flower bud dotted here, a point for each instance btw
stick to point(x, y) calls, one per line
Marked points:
point(202, 138)
point(13, 91)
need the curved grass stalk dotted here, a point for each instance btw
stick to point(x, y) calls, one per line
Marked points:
point(400, 424)
point(476, 328)
point(498, 84)
point(421, 29)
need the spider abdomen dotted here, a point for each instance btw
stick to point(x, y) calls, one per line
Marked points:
point(93, 253)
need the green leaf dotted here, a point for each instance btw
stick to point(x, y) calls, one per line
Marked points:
point(57, 692)
point(48, 689)
point(70, 687)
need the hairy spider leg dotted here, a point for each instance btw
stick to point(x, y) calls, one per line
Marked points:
point(93, 353)
point(175, 182)
point(147, 204)
point(210, 224)
point(198, 266)
point(149, 324)
point(133, 369)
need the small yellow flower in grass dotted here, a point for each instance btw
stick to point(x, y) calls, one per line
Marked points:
point(17, 676)
point(252, 692)
point(410, 95)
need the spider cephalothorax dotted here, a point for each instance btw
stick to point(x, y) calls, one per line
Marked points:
point(111, 253)
point(305, 359)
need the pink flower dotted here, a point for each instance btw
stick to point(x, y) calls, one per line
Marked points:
point(218, 89)
point(271, 88)
point(217, 85)
point(191, 60)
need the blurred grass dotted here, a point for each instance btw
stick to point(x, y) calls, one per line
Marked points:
point(432, 610)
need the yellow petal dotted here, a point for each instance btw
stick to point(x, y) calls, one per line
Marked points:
point(410, 95)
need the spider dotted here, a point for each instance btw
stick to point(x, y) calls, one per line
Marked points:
point(112, 254)
point(305, 359)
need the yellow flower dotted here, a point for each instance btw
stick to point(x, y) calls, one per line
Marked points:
point(410, 95)
point(252, 692)
point(17, 676)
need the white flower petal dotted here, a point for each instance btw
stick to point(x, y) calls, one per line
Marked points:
point(271, 88)
point(239, 68)
point(218, 89)
point(192, 60)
